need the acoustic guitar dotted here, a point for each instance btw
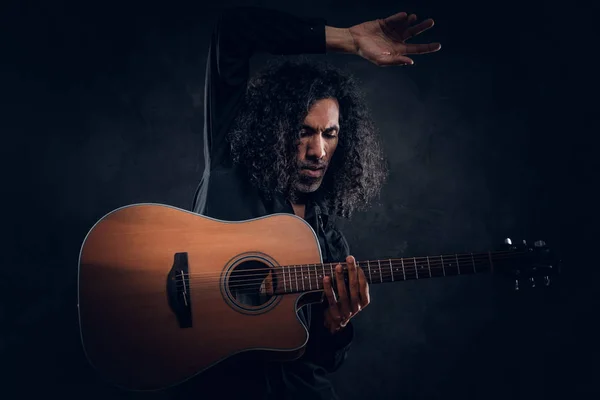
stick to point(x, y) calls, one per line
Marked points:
point(164, 293)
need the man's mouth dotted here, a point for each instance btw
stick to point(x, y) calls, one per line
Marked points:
point(313, 172)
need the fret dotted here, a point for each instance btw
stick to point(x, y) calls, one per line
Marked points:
point(457, 264)
point(283, 276)
point(391, 269)
point(296, 276)
point(331, 268)
point(369, 268)
point(290, 274)
point(403, 270)
point(473, 262)
point(302, 275)
point(323, 267)
point(317, 278)
point(443, 266)
point(422, 266)
point(450, 269)
point(416, 269)
point(380, 276)
point(437, 269)
point(429, 266)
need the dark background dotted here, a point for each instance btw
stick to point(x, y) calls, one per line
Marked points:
point(490, 137)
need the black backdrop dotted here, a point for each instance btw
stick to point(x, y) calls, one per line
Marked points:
point(486, 139)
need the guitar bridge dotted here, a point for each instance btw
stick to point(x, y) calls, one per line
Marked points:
point(178, 290)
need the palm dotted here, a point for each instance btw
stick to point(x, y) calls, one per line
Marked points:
point(383, 41)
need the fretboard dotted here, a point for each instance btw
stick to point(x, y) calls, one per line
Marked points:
point(309, 277)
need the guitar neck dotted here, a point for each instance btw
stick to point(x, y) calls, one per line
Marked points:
point(309, 277)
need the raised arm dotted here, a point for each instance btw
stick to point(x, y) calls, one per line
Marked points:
point(244, 31)
point(240, 33)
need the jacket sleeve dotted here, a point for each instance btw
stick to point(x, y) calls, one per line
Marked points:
point(323, 348)
point(239, 33)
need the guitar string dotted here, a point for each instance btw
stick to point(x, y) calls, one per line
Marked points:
point(445, 259)
point(299, 286)
point(319, 288)
point(281, 288)
point(408, 263)
point(288, 277)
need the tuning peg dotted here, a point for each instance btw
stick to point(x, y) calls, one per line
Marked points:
point(539, 243)
point(532, 282)
point(547, 280)
point(507, 241)
point(516, 284)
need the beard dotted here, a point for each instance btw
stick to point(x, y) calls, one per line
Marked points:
point(307, 184)
point(303, 185)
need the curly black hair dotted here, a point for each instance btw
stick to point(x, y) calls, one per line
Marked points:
point(265, 134)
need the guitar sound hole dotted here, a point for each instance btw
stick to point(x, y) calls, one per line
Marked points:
point(252, 283)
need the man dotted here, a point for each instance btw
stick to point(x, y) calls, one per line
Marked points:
point(297, 138)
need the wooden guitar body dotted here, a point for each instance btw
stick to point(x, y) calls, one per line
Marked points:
point(156, 303)
point(165, 294)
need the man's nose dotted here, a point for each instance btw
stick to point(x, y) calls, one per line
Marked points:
point(316, 147)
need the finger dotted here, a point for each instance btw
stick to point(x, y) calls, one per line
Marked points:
point(343, 302)
point(333, 310)
point(389, 59)
point(399, 22)
point(365, 296)
point(344, 323)
point(422, 48)
point(353, 284)
point(395, 26)
point(397, 18)
point(418, 29)
point(328, 289)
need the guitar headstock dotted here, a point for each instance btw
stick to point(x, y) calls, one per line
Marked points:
point(533, 264)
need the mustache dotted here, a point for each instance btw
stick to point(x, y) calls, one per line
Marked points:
point(313, 166)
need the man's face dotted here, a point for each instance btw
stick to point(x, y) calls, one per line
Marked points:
point(318, 140)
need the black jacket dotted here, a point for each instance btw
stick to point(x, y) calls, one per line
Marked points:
point(225, 193)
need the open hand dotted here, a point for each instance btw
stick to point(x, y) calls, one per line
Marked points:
point(340, 310)
point(383, 41)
